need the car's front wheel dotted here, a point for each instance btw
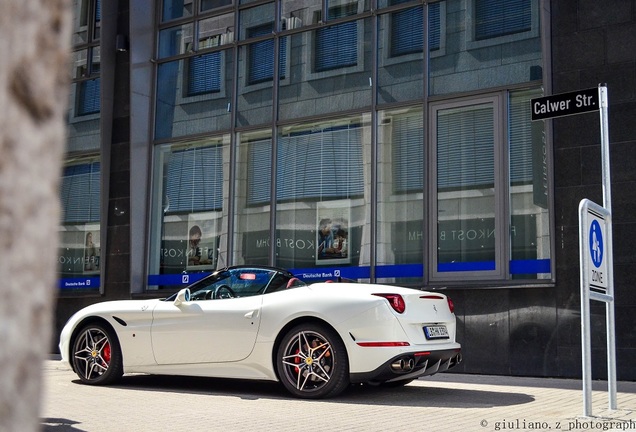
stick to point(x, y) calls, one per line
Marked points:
point(312, 362)
point(97, 357)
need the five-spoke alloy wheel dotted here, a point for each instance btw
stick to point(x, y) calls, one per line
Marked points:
point(312, 362)
point(96, 355)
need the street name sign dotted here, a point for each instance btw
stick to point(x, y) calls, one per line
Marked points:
point(564, 104)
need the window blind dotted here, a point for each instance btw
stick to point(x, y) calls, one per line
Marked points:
point(520, 127)
point(408, 154)
point(322, 164)
point(465, 148)
point(194, 179)
point(89, 97)
point(204, 74)
point(80, 193)
point(261, 55)
point(494, 18)
point(337, 45)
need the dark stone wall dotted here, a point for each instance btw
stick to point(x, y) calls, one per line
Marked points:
point(593, 43)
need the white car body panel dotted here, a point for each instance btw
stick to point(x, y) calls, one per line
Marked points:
point(205, 331)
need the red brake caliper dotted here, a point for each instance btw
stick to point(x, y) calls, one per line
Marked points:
point(106, 353)
point(297, 361)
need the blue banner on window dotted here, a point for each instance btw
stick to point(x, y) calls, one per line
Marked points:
point(79, 283)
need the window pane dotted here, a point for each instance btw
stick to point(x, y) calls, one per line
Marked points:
point(80, 247)
point(400, 234)
point(255, 98)
point(337, 46)
point(358, 6)
point(434, 26)
point(295, 14)
point(204, 74)
point(470, 59)
point(400, 56)
point(175, 40)
point(213, 4)
point(465, 189)
point(530, 226)
point(194, 179)
point(97, 22)
point(215, 31)
point(320, 187)
point(305, 93)
point(261, 55)
point(187, 216)
point(80, 192)
point(253, 183)
point(407, 35)
point(495, 18)
point(88, 97)
point(193, 95)
point(255, 17)
point(173, 9)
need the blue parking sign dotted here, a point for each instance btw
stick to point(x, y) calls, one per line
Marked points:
point(596, 243)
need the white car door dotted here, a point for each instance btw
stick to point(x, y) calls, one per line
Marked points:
point(205, 331)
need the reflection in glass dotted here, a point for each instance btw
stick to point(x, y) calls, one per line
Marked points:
point(344, 83)
point(175, 40)
point(529, 190)
point(188, 206)
point(193, 96)
point(485, 44)
point(79, 232)
point(215, 31)
point(400, 235)
point(400, 56)
point(465, 188)
point(173, 9)
point(253, 192)
point(213, 4)
point(322, 193)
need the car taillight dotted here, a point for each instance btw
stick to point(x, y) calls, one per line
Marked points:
point(395, 300)
point(451, 305)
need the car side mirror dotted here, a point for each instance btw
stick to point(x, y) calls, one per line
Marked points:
point(183, 296)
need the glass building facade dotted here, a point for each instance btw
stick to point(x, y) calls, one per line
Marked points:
point(384, 141)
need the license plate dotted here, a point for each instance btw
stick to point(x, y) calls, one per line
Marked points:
point(436, 332)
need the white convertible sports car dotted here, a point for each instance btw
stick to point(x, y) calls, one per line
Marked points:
point(262, 323)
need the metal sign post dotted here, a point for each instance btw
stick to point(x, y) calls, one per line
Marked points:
point(596, 260)
point(595, 235)
point(597, 267)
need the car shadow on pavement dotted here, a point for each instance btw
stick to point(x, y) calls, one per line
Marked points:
point(59, 425)
point(417, 394)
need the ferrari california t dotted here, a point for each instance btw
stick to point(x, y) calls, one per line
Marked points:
point(262, 323)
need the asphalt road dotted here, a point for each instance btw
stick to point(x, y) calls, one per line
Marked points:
point(444, 402)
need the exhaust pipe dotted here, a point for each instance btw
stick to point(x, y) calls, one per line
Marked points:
point(403, 365)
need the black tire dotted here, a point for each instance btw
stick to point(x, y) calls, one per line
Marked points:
point(312, 362)
point(96, 355)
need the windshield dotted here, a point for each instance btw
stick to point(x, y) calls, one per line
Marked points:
point(242, 282)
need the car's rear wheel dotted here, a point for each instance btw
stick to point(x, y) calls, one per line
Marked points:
point(312, 362)
point(97, 357)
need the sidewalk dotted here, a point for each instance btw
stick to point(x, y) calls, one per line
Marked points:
point(443, 402)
